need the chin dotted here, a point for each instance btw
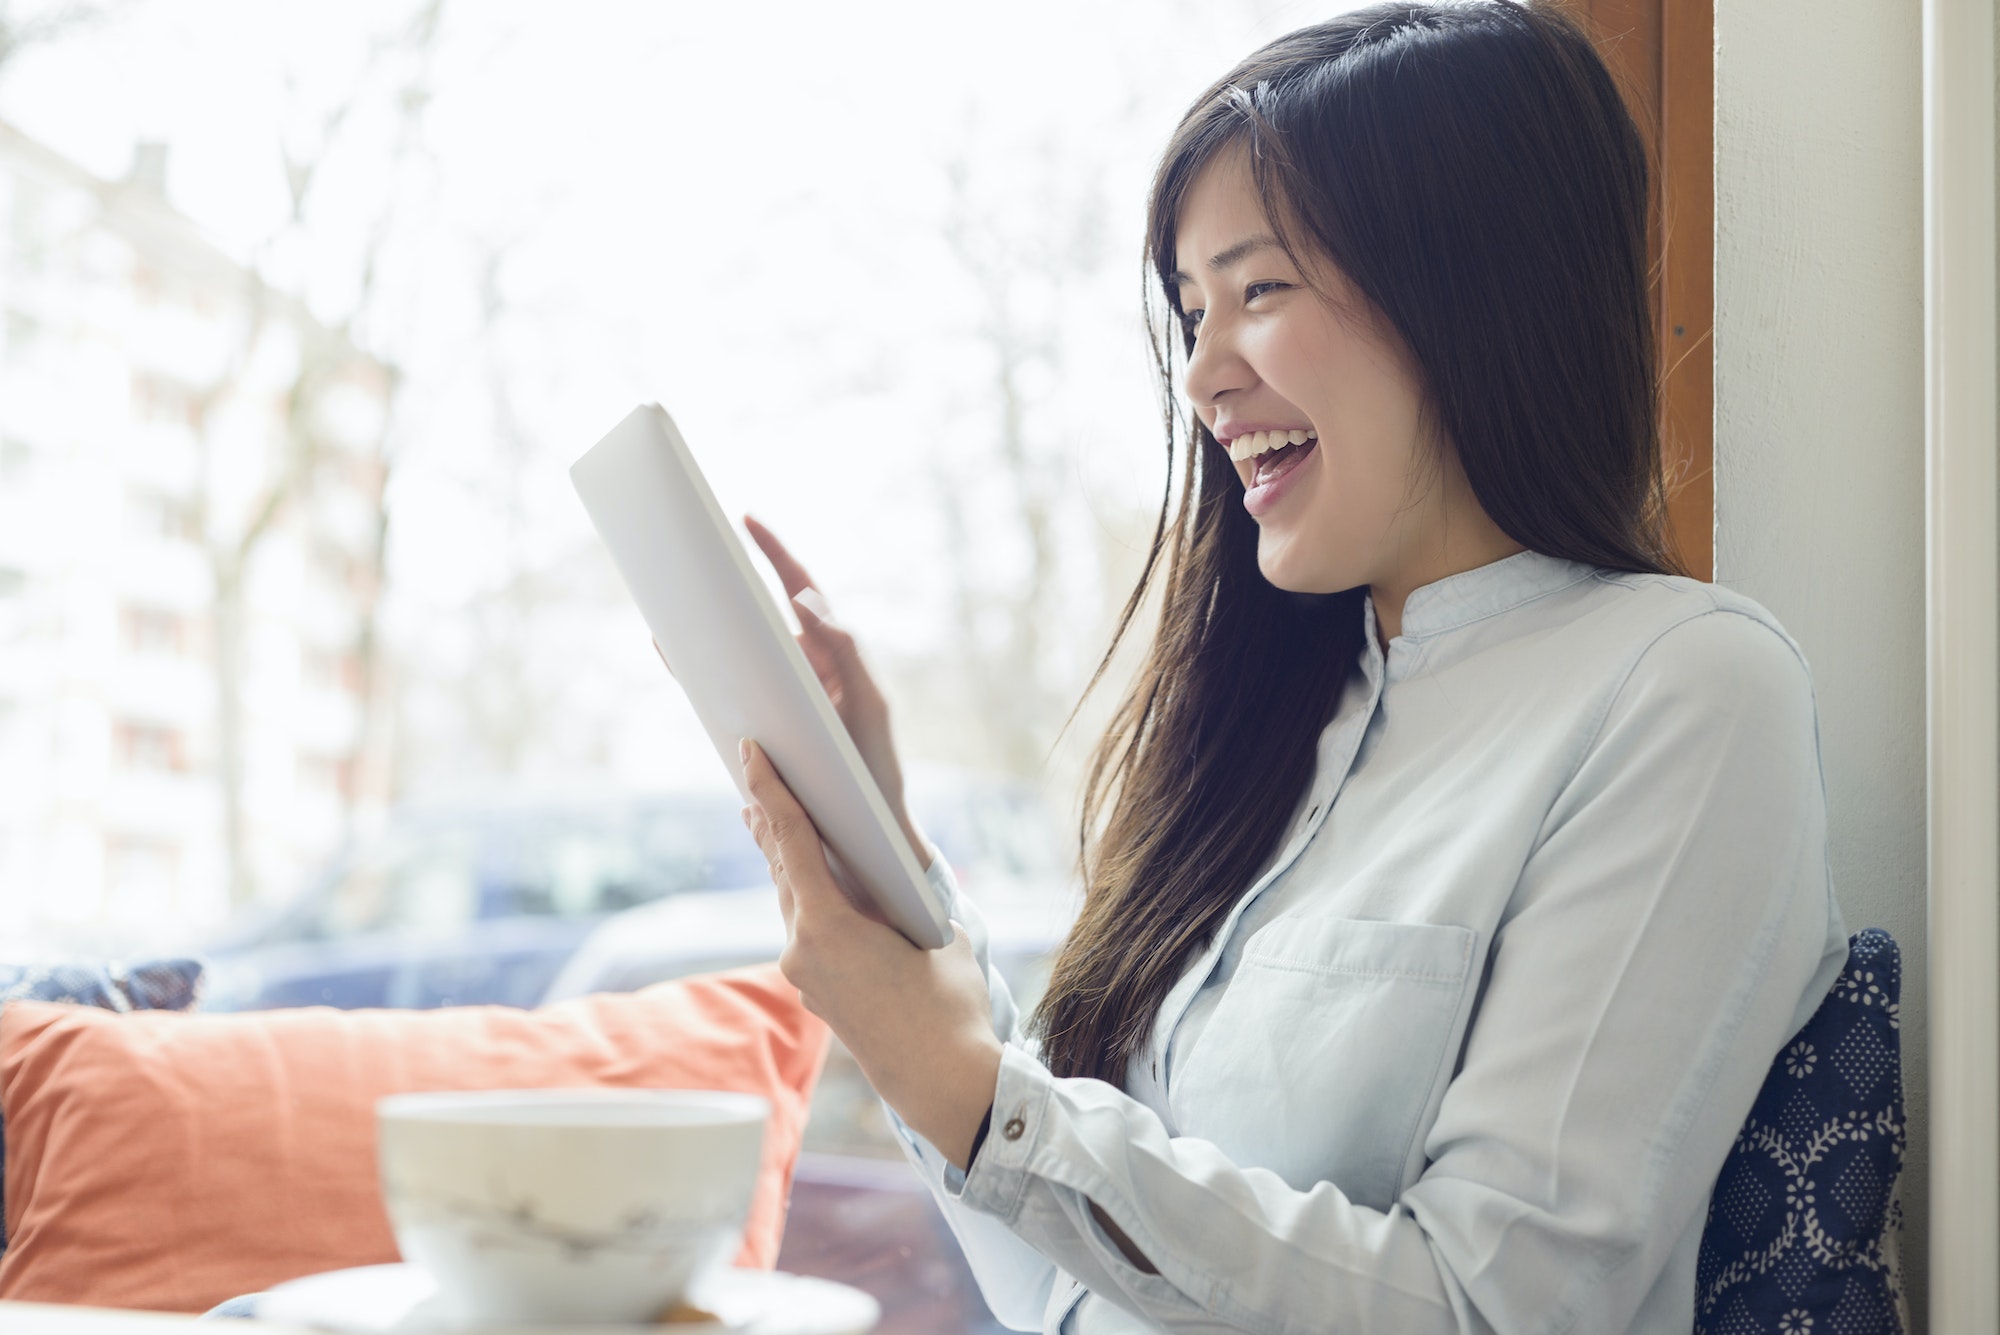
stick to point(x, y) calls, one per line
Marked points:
point(1284, 567)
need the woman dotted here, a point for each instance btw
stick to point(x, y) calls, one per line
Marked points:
point(1455, 867)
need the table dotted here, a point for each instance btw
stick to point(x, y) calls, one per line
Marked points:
point(52, 1319)
point(46, 1319)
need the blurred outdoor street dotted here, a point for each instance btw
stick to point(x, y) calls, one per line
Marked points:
point(308, 309)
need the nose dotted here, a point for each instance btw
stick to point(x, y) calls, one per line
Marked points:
point(1216, 365)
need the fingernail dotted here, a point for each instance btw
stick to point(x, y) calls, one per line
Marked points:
point(746, 818)
point(813, 601)
point(743, 750)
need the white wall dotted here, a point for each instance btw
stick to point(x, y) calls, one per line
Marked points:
point(1819, 424)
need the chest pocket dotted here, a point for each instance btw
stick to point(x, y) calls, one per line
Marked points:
point(1321, 1055)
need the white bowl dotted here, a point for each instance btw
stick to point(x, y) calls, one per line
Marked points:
point(578, 1205)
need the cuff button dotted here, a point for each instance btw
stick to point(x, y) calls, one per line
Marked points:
point(1015, 1126)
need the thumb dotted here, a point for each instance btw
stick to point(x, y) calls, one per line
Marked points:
point(783, 830)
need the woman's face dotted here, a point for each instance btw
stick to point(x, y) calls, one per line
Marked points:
point(1366, 498)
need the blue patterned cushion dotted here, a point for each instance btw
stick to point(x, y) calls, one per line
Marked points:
point(154, 985)
point(1801, 1234)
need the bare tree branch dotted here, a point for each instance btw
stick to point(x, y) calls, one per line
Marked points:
point(325, 355)
point(23, 27)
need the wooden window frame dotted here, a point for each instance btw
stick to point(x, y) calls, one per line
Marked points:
point(1662, 53)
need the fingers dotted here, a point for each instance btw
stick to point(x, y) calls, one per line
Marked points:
point(790, 573)
point(808, 603)
point(760, 830)
point(831, 650)
point(785, 902)
point(784, 832)
point(827, 645)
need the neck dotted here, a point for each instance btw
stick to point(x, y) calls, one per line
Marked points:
point(1448, 536)
point(1390, 595)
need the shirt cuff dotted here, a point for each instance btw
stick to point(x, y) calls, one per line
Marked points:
point(943, 884)
point(1000, 1172)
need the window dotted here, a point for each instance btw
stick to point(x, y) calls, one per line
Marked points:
point(150, 514)
point(327, 774)
point(149, 748)
point(157, 399)
point(149, 630)
point(332, 670)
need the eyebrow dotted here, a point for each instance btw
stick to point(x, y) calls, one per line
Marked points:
point(1223, 259)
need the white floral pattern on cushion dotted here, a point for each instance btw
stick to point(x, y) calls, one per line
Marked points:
point(1802, 1226)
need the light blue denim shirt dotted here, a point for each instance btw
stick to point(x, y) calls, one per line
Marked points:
point(1468, 1054)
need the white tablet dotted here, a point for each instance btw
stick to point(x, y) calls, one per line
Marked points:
point(734, 654)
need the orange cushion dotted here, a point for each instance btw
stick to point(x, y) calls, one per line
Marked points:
point(171, 1161)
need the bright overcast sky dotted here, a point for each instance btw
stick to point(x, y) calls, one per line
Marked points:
point(733, 208)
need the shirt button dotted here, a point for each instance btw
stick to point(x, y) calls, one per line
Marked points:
point(1015, 1126)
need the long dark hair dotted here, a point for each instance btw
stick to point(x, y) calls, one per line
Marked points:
point(1471, 168)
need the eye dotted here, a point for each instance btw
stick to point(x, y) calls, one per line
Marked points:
point(1256, 290)
point(1190, 321)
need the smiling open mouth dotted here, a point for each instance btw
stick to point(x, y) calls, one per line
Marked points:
point(1273, 453)
point(1253, 443)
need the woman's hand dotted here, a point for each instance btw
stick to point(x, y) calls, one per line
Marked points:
point(837, 661)
point(919, 1022)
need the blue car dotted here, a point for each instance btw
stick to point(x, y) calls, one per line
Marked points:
point(476, 903)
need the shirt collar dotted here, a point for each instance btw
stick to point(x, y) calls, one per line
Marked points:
point(1484, 591)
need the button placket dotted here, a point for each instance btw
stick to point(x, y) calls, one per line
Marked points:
point(1341, 747)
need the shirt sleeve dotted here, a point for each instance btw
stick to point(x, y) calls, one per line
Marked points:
point(1013, 1277)
point(1671, 927)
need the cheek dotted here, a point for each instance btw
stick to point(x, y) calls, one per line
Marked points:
point(1370, 471)
point(1374, 411)
point(1364, 480)
point(1369, 450)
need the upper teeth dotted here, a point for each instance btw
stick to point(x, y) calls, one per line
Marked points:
point(1257, 442)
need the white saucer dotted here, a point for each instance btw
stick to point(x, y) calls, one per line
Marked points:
point(401, 1300)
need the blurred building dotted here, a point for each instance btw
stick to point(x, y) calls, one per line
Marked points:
point(190, 533)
